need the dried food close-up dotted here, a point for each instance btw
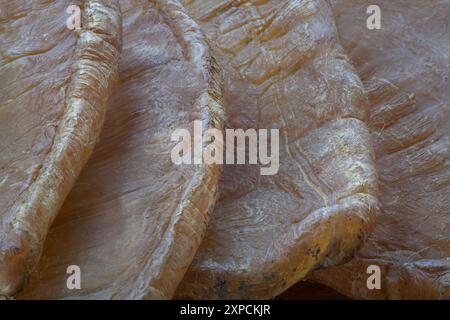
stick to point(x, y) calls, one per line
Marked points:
point(224, 149)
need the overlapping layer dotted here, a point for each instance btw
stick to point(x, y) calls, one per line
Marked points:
point(405, 66)
point(284, 68)
point(54, 86)
point(134, 219)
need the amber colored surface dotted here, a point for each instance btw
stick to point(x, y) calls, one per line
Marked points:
point(54, 87)
point(134, 219)
point(406, 67)
point(284, 68)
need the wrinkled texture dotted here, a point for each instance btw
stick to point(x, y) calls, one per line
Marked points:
point(134, 219)
point(284, 68)
point(54, 87)
point(406, 68)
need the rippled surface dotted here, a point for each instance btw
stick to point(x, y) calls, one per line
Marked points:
point(55, 83)
point(284, 68)
point(134, 220)
point(405, 67)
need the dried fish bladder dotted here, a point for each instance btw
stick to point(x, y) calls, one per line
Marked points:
point(405, 68)
point(284, 68)
point(134, 219)
point(55, 85)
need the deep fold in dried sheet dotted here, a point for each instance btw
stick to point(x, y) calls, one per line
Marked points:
point(284, 68)
point(54, 86)
point(134, 219)
point(406, 69)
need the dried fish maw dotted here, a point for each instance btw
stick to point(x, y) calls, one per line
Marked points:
point(134, 219)
point(406, 67)
point(54, 87)
point(284, 68)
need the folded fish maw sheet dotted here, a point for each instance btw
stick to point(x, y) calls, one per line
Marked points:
point(284, 68)
point(405, 66)
point(54, 84)
point(354, 141)
point(134, 219)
